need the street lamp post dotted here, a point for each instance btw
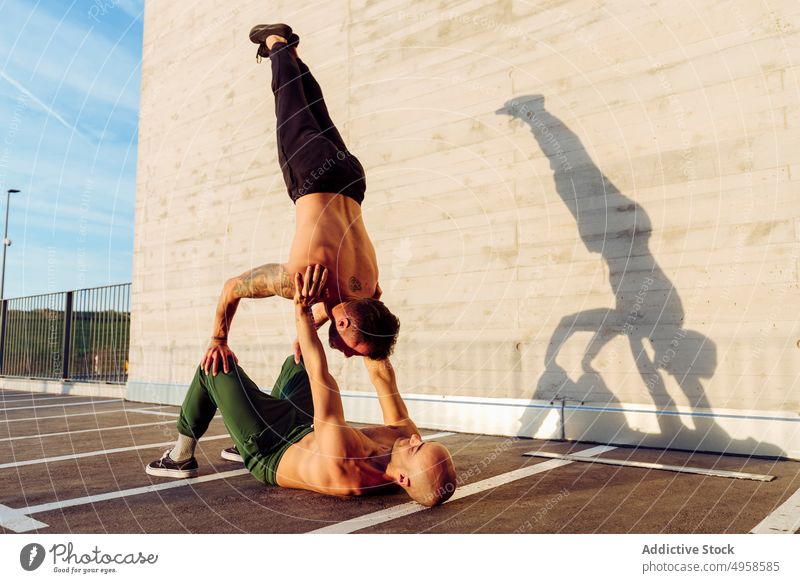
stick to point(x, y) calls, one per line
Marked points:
point(6, 242)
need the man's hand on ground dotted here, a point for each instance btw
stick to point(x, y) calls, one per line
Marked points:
point(217, 352)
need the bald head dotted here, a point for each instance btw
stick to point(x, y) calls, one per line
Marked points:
point(427, 471)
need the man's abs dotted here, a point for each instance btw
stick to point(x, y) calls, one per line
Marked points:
point(304, 467)
point(330, 231)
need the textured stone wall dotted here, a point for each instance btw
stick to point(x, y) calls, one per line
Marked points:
point(629, 234)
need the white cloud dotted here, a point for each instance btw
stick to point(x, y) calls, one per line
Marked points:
point(47, 109)
point(133, 8)
point(78, 195)
point(49, 54)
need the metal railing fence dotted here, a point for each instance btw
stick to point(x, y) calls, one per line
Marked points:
point(81, 335)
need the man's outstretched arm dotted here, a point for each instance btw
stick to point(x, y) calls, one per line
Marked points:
point(382, 375)
point(328, 410)
point(320, 316)
point(265, 281)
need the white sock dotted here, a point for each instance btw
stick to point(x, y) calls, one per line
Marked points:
point(184, 448)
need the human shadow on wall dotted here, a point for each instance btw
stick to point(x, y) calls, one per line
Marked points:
point(648, 311)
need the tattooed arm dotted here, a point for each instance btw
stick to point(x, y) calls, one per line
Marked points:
point(265, 281)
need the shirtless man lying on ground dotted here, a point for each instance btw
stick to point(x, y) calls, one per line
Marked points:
point(327, 184)
point(297, 437)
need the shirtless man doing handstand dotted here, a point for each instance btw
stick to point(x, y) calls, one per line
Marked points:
point(327, 184)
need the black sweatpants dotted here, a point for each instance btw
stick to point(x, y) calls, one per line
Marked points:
point(311, 152)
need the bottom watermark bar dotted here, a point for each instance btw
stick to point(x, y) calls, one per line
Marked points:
point(499, 557)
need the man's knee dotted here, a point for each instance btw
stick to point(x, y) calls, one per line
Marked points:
point(229, 381)
point(201, 372)
point(289, 371)
point(290, 366)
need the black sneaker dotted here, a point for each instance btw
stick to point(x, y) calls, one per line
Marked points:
point(260, 32)
point(232, 454)
point(168, 468)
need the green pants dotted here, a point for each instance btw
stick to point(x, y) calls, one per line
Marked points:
point(262, 426)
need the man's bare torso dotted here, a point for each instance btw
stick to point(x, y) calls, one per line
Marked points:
point(330, 231)
point(349, 473)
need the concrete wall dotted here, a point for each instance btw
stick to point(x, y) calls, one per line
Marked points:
point(616, 262)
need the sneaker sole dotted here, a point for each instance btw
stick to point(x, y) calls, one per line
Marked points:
point(171, 473)
point(231, 457)
point(260, 32)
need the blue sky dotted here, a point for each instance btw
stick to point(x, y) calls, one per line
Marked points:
point(69, 103)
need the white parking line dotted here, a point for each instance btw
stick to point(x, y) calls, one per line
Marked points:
point(73, 456)
point(14, 518)
point(785, 519)
point(7, 393)
point(61, 405)
point(653, 466)
point(401, 510)
point(146, 412)
point(438, 435)
point(150, 410)
point(43, 435)
point(28, 398)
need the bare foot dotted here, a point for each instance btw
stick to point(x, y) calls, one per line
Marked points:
point(274, 38)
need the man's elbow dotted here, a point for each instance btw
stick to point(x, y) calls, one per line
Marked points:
point(328, 421)
point(232, 288)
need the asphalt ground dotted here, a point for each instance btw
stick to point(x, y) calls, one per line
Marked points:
point(71, 464)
